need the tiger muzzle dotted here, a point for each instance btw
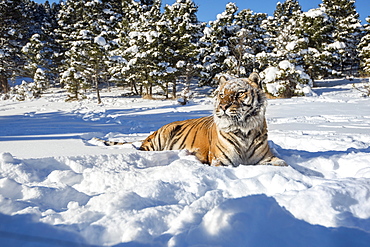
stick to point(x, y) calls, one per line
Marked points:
point(224, 107)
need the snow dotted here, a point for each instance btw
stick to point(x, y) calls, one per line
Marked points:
point(58, 187)
point(314, 13)
point(100, 40)
point(271, 74)
point(291, 45)
point(285, 65)
point(207, 32)
point(337, 45)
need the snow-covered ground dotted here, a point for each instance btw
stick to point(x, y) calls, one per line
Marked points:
point(60, 188)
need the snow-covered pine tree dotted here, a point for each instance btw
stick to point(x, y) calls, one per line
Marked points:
point(53, 50)
point(282, 31)
point(117, 61)
point(180, 31)
point(136, 58)
point(13, 35)
point(286, 80)
point(70, 24)
point(214, 46)
point(247, 41)
point(313, 27)
point(99, 17)
point(345, 32)
point(85, 27)
point(285, 59)
point(41, 51)
point(38, 61)
point(364, 49)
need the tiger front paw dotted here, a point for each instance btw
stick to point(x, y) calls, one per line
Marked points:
point(274, 161)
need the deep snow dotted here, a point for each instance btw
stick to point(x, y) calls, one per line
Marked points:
point(60, 188)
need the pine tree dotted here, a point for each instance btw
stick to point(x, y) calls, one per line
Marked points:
point(247, 41)
point(117, 64)
point(214, 46)
point(180, 32)
point(38, 60)
point(41, 50)
point(345, 32)
point(53, 50)
point(136, 58)
point(286, 76)
point(86, 29)
point(98, 31)
point(13, 35)
point(70, 31)
point(282, 30)
point(123, 18)
point(364, 49)
point(313, 27)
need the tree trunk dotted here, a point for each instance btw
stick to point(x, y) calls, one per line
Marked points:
point(97, 89)
point(166, 93)
point(4, 86)
point(134, 88)
point(174, 89)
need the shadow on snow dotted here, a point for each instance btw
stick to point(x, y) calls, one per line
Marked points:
point(54, 125)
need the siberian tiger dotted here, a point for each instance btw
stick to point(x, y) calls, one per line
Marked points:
point(235, 135)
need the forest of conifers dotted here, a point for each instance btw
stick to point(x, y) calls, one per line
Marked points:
point(86, 44)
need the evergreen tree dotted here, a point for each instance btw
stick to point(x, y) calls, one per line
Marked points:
point(345, 32)
point(53, 51)
point(38, 61)
point(247, 41)
point(13, 35)
point(214, 47)
point(364, 48)
point(282, 30)
point(180, 32)
point(286, 76)
point(136, 60)
point(71, 26)
point(85, 28)
point(98, 32)
point(117, 64)
point(41, 51)
point(313, 27)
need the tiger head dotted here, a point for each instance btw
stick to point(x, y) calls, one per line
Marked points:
point(240, 103)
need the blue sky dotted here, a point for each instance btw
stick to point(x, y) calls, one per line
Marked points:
point(208, 9)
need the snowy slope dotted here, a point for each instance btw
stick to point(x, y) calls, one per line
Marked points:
point(59, 188)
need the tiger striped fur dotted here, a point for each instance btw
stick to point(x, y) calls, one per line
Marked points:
point(235, 135)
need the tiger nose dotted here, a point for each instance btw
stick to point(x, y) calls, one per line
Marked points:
point(224, 106)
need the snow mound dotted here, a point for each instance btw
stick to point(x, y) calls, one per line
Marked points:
point(171, 198)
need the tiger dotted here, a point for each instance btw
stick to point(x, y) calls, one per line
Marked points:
point(236, 133)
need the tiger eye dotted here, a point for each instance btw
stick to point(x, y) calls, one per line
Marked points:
point(241, 94)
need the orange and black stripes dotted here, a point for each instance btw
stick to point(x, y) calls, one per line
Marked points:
point(201, 137)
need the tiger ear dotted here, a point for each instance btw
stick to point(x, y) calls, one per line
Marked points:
point(254, 80)
point(222, 80)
